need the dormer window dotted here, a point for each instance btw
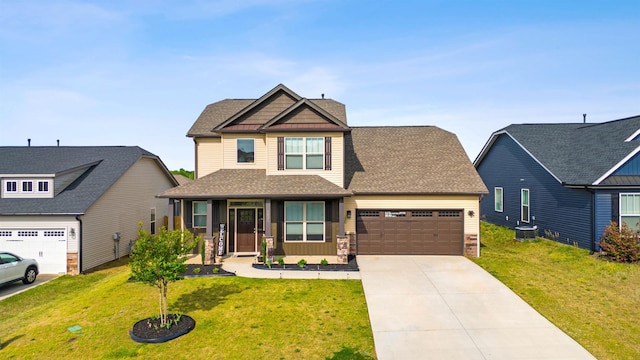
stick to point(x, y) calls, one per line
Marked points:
point(43, 186)
point(27, 186)
point(12, 186)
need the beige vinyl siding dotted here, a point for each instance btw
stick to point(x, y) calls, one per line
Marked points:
point(335, 175)
point(127, 202)
point(440, 202)
point(208, 156)
point(230, 151)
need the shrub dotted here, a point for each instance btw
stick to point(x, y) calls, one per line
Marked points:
point(280, 260)
point(620, 243)
point(324, 262)
point(302, 263)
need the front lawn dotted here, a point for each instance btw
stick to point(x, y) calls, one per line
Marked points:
point(236, 318)
point(594, 301)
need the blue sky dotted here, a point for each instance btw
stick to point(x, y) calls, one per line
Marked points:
point(140, 72)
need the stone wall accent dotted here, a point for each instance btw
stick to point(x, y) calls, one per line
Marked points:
point(471, 245)
point(72, 264)
point(209, 250)
point(343, 249)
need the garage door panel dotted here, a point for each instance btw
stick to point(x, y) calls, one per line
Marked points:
point(47, 246)
point(400, 232)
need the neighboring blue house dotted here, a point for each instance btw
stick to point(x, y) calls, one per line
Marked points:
point(568, 180)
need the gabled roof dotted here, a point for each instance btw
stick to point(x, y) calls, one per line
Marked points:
point(81, 175)
point(575, 153)
point(224, 115)
point(252, 183)
point(408, 160)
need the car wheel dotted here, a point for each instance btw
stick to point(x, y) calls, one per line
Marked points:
point(29, 276)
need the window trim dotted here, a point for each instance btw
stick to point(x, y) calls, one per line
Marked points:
point(194, 214)
point(306, 222)
point(304, 153)
point(43, 184)
point(620, 214)
point(27, 184)
point(253, 158)
point(152, 220)
point(495, 200)
point(522, 206)
point(15, 186)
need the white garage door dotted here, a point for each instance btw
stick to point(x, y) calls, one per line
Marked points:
point(48, 246)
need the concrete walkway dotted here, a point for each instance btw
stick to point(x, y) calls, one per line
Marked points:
point(241, 266)
point(447, 307)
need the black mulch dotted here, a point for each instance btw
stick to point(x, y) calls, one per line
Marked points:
point(352, 265)
point(149, 330)
point(205, 270)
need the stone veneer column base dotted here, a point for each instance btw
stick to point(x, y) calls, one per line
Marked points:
point(343, 249)
point(72, 264)
point(471, 245)
point(209, 250)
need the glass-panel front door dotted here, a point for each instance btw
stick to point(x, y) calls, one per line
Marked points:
point(246, 230)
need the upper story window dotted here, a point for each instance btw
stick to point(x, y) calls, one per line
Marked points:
point(246, 150)
point(304, 153)
point(27, 186)
point(11, 186)
point(43, 186)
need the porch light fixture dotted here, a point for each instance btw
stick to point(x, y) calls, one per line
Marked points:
point(72, 233)
point(471, 213)
point(348, 214)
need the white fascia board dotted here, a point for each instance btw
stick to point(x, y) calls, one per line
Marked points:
point(616, 166)
point(27, 175)
point(494, 136)
point(635, 134)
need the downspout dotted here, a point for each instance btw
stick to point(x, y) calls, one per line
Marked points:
point(79, 245)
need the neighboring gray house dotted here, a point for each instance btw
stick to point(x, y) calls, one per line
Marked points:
point(74, 208)
point(568, 180)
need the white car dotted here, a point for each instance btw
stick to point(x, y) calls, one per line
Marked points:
point(14, 268)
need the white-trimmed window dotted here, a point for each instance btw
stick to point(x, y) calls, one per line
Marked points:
point(524, 205)
point(246, 151)
point(199, 214)
point(498, 197)
point(304, 221)
point(304, 153)
point(27, 186)
point(11, 186)
point(630, 210)
point(43, 186)
point(152, 221)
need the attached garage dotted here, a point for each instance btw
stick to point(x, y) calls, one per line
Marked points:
point(410, 232)
point(47, 245)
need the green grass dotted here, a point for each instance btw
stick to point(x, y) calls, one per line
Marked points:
point(236, 318)
point(594, 301)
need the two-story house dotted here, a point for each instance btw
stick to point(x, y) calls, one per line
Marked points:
point(291, 170)
point(75, 208)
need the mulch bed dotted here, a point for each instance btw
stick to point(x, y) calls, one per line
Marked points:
point(149, 330)
point(205, 270)
point(352, 265)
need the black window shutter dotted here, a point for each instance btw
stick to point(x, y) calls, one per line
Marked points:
point(327, 153)
point(615, 207)
point(280, 153)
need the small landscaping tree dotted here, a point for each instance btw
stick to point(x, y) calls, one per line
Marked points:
point(159, 259)
point(621, 243)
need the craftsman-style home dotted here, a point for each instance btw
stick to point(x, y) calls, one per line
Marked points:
point(292, 171)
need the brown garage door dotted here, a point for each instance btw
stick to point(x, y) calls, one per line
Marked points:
point(409, 232)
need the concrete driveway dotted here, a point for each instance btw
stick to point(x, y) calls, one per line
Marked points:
point(447, 307)
point(17, 287)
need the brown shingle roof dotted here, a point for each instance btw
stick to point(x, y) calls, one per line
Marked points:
point(408, 160)
point(241, 183)
point(218, 112)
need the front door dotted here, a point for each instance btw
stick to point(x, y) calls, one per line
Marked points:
point(246, 230)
